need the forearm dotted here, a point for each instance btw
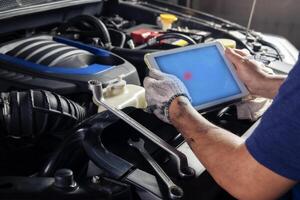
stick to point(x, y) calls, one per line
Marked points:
point(214, 147)
point(222, 153)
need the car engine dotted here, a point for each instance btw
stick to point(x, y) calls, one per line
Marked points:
point(57, 142)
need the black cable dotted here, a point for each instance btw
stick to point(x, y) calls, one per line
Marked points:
point(122, 35)
point(132, 55)
point(88, 22)
point(166, 36)
point(186, 38)
point(263, 42)
point(62, 156)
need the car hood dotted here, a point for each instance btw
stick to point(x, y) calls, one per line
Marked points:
point(13, 8)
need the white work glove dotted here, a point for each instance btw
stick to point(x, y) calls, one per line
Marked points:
point(161, 90)
point(252, 108)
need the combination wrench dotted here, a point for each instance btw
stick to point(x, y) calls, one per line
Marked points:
point(183, 169)
point(174, 191)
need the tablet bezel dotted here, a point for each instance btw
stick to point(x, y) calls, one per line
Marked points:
point(151, 63)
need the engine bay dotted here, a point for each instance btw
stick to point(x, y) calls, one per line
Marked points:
point(57, 142)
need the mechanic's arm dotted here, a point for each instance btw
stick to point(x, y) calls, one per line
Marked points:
point(225, 156)
point(258, 82)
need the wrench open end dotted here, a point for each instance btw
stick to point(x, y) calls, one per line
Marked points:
point(96, 88)
point(175, 192)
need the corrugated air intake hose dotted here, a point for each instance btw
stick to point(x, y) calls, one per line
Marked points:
point(34, 112)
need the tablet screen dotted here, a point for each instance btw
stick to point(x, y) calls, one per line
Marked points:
point(203, 71)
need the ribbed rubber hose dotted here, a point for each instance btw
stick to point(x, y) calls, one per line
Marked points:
point(35, 112)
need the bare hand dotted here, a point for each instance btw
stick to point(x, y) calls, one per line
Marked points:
point(251, 73)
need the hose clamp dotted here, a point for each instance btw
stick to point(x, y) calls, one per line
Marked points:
point(4, 104)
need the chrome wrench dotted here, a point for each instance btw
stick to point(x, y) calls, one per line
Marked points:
point(183, 169)
point(175, 192)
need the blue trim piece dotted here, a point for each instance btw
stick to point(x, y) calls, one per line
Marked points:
point(93, 50)
point(89, 70)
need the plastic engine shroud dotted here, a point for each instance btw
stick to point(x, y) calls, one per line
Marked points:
point(60, 65)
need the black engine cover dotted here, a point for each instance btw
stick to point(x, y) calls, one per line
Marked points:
point(60, 65)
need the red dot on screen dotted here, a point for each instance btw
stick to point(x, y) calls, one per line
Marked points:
point(187, 76)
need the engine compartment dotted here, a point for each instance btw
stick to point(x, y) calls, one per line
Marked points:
point(49, 120)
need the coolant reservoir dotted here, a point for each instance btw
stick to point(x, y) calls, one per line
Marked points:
point(227, 42)
point(167, 20)
point(121, 95)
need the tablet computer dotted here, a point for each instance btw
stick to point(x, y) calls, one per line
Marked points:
point(205, 71)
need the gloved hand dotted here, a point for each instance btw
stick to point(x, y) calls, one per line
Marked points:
point(161, 90)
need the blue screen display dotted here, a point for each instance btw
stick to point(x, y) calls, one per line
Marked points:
point(204, 73)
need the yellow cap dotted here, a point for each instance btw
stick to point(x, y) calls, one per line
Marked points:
point(168, 18)
point(180, 43)
point(227, 42)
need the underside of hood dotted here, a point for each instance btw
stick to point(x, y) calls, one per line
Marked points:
point(13, 8)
